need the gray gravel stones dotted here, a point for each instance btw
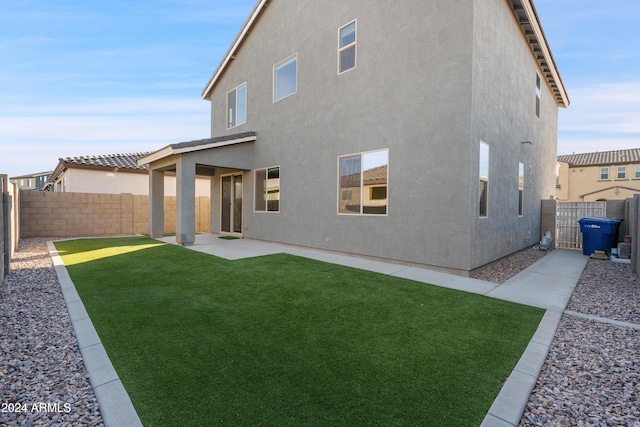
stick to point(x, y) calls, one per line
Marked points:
point(43, 381)
point(592, 374)
point(506, 268)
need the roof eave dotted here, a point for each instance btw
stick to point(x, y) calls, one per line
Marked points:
point(155, 156)
point(175, 149)
point(242, 35)
point(532, 30)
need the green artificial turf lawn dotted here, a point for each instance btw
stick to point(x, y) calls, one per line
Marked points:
point(281, 340)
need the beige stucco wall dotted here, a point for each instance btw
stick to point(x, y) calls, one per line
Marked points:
point(583, 184)
point(107, 182)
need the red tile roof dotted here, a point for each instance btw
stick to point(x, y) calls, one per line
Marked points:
point(604, 158)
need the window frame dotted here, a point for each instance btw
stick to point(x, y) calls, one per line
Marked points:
point(353, 45)
point(483, 197)
point(521, 189)
point(235, 119)
point(538, 94)
point(265, 185)
point(293, 58)
point(343, 191)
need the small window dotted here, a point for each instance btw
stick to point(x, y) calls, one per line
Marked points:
point(538, 94)
point(520, 188)
point(604, 173)
point(622, 172)
point(285, 78)
point(267, 190)
point(484, 179)
point(347, 48)
point(237, 106)
point(363, 183)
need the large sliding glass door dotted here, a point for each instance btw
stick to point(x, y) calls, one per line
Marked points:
point(231, 204)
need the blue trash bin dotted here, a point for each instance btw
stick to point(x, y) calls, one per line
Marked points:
point(598, 234)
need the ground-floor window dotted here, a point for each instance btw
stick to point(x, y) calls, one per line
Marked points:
point(267, 189)
point(520, 189)
point(483, 193)
point(362, 183)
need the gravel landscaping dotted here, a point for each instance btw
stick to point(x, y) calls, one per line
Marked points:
point(43, 381)
point(592, 374)
point(590, 378)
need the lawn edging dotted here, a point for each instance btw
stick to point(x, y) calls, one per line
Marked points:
point(510, 404)
point(115, 405)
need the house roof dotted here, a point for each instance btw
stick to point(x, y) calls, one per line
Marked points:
point(113, 162)
point(523, 10)
point(604, 158)
point(32, 175)
point(197, 145)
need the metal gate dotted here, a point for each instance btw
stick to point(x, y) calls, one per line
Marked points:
point(568, 235)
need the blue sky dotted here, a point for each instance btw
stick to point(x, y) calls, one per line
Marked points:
point(82, 77)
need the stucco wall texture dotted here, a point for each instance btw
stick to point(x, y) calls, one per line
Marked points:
point(449, 75)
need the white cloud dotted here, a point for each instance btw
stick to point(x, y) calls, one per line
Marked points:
point(611, 107)
point(601, 117)
point(34, 136)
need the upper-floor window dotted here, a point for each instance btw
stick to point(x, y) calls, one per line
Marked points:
point(484, 179)
point(538, 94)
point(362, 186)
point(604, 173)
point(237, 106)
point(267, 190)
point(520, 188)
point(622, 172)
point(347, 47)
point(285, 78)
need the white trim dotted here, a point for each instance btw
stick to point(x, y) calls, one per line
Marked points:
point(158, 155)
point(266, 169)
point(169, 150)
point(361, 154)
point(231, 215)
point(246, 93)
point(354, 45)
point(286, 60)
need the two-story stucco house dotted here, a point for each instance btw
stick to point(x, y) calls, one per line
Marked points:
point(421, 131)
point(599, 176)
point(35, 181)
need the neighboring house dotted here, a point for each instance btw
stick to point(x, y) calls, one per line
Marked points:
point(600, 176)
point(108, 174)
point(420, 131)
point(34, 181)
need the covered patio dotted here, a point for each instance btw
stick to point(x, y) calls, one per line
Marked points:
point(211, 157)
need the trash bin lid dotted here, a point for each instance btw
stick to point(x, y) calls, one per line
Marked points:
point(599, 221)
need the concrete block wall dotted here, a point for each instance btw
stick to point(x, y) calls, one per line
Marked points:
point(51, 214)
